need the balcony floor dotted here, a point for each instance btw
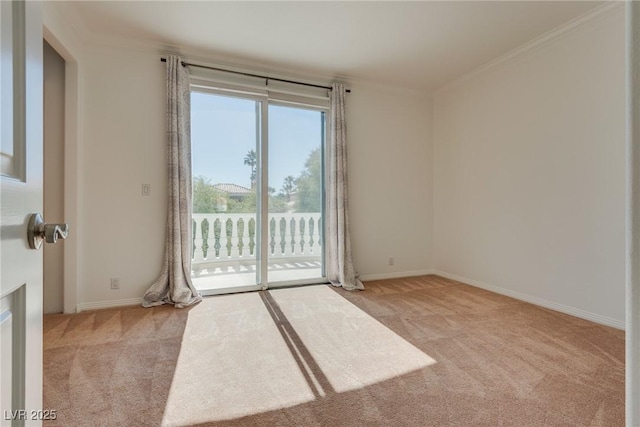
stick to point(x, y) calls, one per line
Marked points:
point(245, 275)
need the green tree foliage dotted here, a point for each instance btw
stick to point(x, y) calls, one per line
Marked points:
point(251, 160)
point(206, 199)
point(205, 196)
point(246, 205)
point(277, 204)
point(309, 184)
point(289, 186)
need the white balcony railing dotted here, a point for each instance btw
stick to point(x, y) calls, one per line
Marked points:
point(222, 239)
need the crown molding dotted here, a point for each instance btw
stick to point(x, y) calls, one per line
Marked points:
point(235, 63)
point(211, 58)
point(243, 64)
point(63, 13)
point(582, 22)
point(91, 40)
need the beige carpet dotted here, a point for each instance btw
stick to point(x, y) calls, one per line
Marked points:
point(417, 351)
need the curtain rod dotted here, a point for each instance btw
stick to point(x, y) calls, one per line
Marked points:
point(255, 75)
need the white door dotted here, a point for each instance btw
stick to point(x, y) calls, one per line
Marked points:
point(20, 195)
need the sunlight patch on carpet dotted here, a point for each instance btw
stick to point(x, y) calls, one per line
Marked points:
point(232, 363)
point(250, 353)
point(350, 347)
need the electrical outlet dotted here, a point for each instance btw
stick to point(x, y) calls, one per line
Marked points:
point(146, 189)
point(115, 283)
point(391, 260)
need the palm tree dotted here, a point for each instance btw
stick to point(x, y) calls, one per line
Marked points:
point(251, 160)
point(289, 186)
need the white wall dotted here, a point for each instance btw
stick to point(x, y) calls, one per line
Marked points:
point(125, 146)
point(124, 134)
point(529, 178)
point(390, 174)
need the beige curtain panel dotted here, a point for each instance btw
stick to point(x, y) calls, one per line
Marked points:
point(174, 285)
point(340, 271)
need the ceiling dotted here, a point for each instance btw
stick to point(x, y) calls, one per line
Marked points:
point(418, 45)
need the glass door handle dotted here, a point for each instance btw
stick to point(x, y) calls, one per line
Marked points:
point(38, 231)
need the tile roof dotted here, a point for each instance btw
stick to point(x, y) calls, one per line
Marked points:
point(232, 188)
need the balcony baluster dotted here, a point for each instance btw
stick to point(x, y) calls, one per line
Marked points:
point(298, 240)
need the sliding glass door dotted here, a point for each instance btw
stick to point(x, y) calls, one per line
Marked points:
point(257, 193)
point(225, 142)
point(296, 140)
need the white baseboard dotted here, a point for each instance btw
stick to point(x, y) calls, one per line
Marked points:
point(597, 318)
point(108, 304)
point(396, 275)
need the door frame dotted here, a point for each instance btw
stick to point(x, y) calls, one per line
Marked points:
point(57, 34)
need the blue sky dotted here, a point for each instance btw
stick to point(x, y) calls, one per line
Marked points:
point(223, 130)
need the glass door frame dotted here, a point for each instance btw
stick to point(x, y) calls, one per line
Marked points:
point(323, 168)
point(261, 139)
point(262, 278)
point(263, 101)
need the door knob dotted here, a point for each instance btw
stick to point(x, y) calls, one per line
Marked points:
point(38, 231)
